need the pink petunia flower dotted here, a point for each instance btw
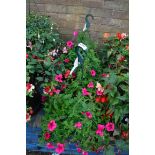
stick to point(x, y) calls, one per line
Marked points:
point(59, 78)
point(84, 153)
point(49, 146)
point(57, 91)
point(90, 85)
point(110, 126)
point(52, 125)
point(78, 125)
point(89, 115)
point(99, 93)
point(47, 135)
point(100, 127)
point(75, 33)
point(123, 35)
point(51, 93)
point(92, 72)
point(79, 150)
point(60, 148)
point(85, 92)
point(99, 132)
point(70, 44)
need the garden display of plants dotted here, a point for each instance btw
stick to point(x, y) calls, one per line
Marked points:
point(41, 38)
point(83, 88)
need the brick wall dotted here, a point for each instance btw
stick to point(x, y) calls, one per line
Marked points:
point(110, 15)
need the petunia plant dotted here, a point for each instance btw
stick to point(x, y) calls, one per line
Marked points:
point(88, 107)
point(84, 88)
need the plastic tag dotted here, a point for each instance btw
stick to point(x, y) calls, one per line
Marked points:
point(84, 28)
point(76, 63)
point(83, 46)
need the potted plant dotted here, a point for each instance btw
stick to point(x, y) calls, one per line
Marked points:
point(89, 109)
point(42, 38)
point(86, 93)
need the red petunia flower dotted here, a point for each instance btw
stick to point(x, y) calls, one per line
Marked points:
point(27, 55)
point(125, 134)
point(121, 36)
point(73, 75)
point(35, 57)
point(47, 135)
point(105, 75)
point(43, 98)
point(67, 73)
point(63, 86)
point(67, 60)
point(121, 59)
point(98, 99)
point(51, 93)
point(103, 99)
point(29, 87)
point(47, 89)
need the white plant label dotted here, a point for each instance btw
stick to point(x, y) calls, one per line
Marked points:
point(84, 28)
point(76, 63)
point(83, 46)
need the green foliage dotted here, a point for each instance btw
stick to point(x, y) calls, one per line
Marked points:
point(42, 37)
point(66, 108)
point(110, 54)
point(66, 103)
